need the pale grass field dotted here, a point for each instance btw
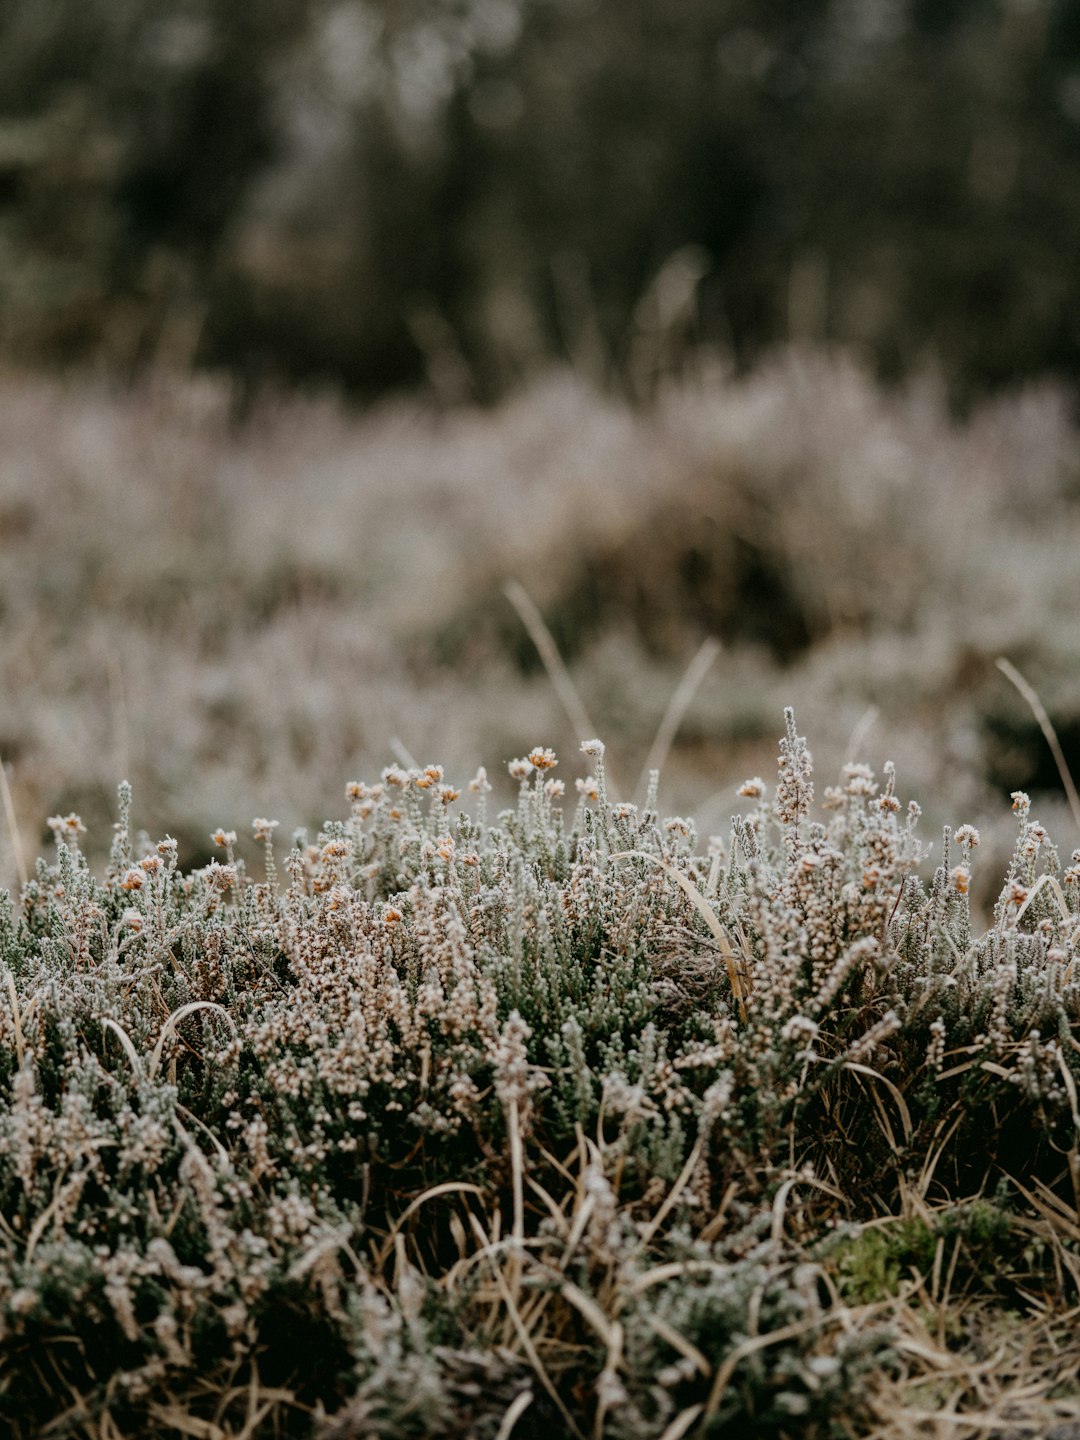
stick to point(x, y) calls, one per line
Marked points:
point(238, 616)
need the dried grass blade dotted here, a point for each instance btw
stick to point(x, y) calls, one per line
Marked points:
point(548, 651)
point(526, 1341)
point(13, 827)
point(517, 1172)
point(517, 1166)
point(679, 1342)
point(865, 723)
point(673, 1194)
point(506, 1246)
point(1045, 725)
point(608, 1380)
point(682, 1423)
point(181, 1014)
point(779, 1206)
point(554, 1210)
point(582, 1216)
point(935, 1152)
point(42, 1222)
point(743, 1351)
point(678, 705)
point(672, 1270)
point(402, 754)
point(738, 987)
point(589, 1309)
point(994, 1423)
point(515, 1410)
point(255, 1419)
point(125, 1042)
point(1056, 1214)
point(1050, 882)
point(1068, 1212)
point(172, 1417)
point(901, 1103)
point(223, 1154)
point(448, 1187)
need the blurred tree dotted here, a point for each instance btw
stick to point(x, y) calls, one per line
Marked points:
point(129, 131)
point(464, 188)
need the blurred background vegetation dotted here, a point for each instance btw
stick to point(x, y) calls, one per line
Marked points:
point(322, 319)
point(456, 192)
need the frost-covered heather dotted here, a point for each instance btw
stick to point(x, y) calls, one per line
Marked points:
point(220, 609)
point(553, 1121)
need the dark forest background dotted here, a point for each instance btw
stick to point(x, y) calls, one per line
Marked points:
point(453, 193)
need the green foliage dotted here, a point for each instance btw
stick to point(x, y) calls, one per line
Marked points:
point(872, 1265)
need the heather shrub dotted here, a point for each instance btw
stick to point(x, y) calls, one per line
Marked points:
point(446, 1122)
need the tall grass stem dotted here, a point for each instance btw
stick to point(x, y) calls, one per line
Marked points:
point(1038, 710)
